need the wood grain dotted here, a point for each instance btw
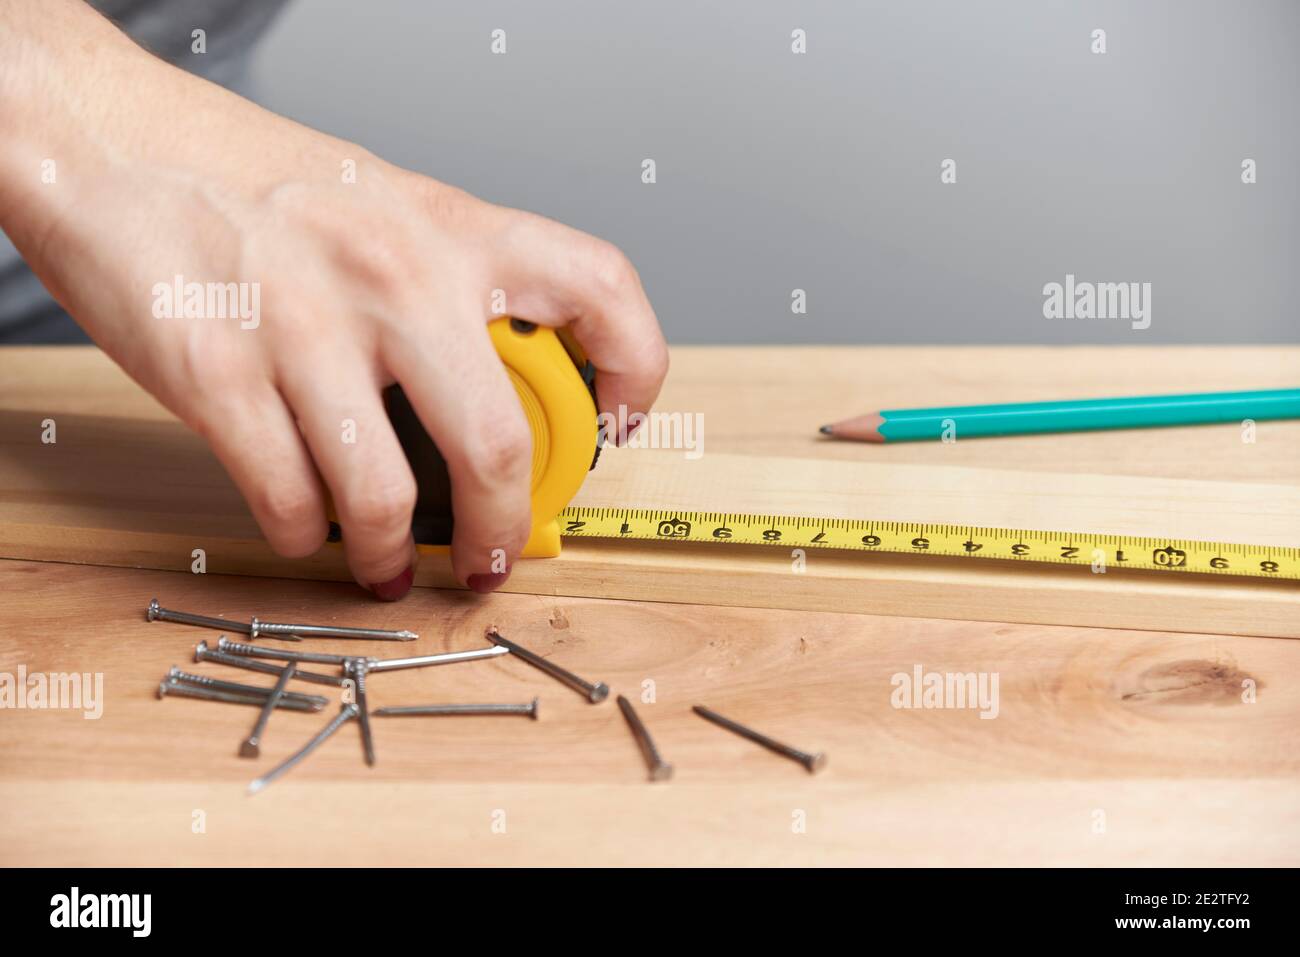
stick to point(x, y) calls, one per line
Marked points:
point(760, 400)
point(135, 488)
point(1110, 747)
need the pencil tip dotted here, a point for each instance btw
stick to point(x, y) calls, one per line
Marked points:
point(827, 430)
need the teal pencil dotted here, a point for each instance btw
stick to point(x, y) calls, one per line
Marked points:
point(1137, 412)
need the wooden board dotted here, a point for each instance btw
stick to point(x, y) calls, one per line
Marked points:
point(1110, 748)
point(150, 519)
point(760, 400)
point(765, 400)
point(137, 489)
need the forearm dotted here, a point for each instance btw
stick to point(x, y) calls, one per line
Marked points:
point(81, 103)
point(77, 92)
point(62, 92)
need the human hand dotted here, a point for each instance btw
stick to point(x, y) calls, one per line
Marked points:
point(361, 274)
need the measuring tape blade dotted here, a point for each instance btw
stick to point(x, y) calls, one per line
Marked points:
point(911, 538)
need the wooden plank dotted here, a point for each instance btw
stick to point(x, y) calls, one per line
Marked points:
point(146, 493)
point(760, 400)
point(1257, 513)
point(1110, 747)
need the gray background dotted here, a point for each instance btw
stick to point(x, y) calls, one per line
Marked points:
point(821, 171)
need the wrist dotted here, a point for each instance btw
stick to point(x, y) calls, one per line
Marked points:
point(65, 83)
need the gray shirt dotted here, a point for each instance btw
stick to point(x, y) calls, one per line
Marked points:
point(165, 27)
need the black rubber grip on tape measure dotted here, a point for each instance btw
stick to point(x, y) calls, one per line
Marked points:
point(431, 522)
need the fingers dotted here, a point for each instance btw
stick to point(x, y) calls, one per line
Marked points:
point(342, 418)
point(254, 436)
point(554, 274)
point(460, 390)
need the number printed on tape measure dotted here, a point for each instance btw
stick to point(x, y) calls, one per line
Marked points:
point(962, 541)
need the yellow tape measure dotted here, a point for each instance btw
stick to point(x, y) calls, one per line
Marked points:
point(554, 382)
point(961, 541)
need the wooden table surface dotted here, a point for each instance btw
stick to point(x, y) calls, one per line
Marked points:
point(1109, 747)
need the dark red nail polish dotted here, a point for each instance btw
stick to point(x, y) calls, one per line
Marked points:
point(626, 438)
point(395, 589)
point(486, 582)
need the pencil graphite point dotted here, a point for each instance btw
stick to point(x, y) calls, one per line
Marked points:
point(862, 428)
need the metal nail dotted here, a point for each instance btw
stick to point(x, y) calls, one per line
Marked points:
point(660, 770)
point(202, 652)
point(355, 668)
point(813, 762)
point(235, 687)
point(595, 692)
point(279, 654)
point(346, 713)
point(157, 612)
point(530, 709)
point(252, 745)
point(168, 687)
point(395, 664)
point(272, 629)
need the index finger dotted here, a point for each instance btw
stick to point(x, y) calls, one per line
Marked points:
point(556, 275)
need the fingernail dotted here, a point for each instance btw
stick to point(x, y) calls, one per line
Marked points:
point(487, 581)
point(395, 589)
point(630, 432)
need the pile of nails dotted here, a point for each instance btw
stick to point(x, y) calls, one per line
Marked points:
point(353, 671)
